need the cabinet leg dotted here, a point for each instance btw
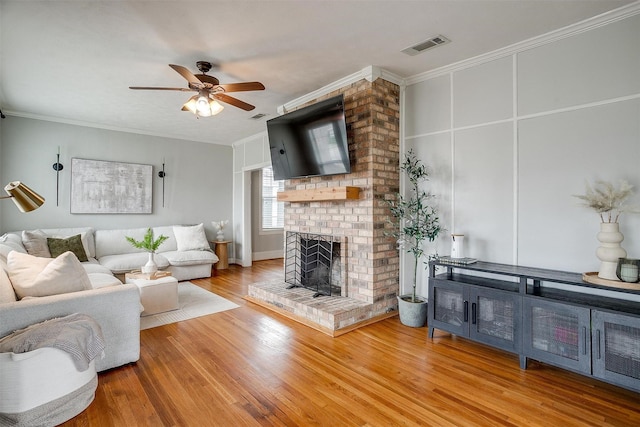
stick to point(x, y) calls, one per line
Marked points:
point(431, 332)
point(523, 362)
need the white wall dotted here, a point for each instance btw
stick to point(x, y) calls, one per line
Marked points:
point(510, 139)
point(249, 154)
point(265, 244)
point(198, 185)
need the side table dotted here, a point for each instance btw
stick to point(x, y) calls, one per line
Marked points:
point(222, 252)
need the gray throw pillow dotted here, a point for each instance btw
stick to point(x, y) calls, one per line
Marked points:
point(35, 242)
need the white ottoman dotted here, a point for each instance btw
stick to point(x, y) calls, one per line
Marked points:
point(157, 295)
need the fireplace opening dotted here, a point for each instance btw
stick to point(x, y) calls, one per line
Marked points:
point(310, 262)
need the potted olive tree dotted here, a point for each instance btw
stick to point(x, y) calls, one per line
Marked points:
point(414, 222)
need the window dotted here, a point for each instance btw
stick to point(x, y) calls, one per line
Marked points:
point(272, 210)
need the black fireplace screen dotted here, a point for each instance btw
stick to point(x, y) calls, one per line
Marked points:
point(309, 262)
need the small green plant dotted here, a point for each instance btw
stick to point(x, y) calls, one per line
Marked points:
point(148, 244)
point(605, 198)
point(414, 220)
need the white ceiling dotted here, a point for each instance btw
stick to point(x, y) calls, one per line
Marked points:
point(73, 61)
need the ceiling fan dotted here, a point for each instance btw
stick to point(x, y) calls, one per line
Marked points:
point(209, 89)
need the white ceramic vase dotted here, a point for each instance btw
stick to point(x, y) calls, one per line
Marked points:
point(220, 235)
point(151, 267)
point(609, 250)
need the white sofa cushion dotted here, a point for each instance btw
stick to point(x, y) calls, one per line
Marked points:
point(8, 246)
point(7, 294)
point(35, 242)
point(191, 238)
point(114, 242)
point(101, 280)
point(190, 257)
point(168, 245)
point(125, 263)
point(93, 266)
point(38, 277)
point(12, 238)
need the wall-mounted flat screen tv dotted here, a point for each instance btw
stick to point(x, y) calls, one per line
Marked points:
point(311, 141)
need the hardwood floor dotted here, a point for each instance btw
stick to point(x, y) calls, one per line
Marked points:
point(252, 367)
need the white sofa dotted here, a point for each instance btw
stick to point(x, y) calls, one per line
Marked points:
point(115, 308)
point(113, 251)
point(109, 251)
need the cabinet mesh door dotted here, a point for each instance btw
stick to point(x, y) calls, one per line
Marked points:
point(622, 349)
point(496, 318)
point(449, 307)
point(555, 332)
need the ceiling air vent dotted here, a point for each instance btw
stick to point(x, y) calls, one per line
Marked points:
point(426, 45)
point(258, 116)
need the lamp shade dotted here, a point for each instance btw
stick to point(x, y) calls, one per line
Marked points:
point(25, 198)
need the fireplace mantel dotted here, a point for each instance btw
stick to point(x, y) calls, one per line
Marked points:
point(319, 194)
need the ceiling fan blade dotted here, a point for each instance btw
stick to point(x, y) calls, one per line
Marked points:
point(242, 87)
point(193, 80)
point(233, 101)
point(181, 89)
point(204, 78)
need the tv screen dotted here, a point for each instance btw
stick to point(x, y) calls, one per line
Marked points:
point(311, 141)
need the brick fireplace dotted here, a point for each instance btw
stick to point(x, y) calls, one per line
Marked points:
point(369, 259)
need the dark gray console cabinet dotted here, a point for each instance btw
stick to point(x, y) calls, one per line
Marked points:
point(506, 307)
point(489, 314)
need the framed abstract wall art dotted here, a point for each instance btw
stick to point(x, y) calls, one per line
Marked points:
point(103, 187)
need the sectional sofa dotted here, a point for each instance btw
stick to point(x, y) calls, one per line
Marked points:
point(186, 254)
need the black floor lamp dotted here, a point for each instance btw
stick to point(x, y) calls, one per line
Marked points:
point(25, 198)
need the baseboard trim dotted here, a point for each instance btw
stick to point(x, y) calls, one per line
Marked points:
point(261, 256)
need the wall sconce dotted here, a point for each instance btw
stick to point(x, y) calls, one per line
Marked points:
point(161, 175)
point(25, 198)
point(57, 166)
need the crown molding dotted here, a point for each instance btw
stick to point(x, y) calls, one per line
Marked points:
point(250, 138)
point(99, 126)
point(370, 73)
point(569, 31)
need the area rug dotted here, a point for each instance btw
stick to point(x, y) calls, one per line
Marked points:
point(193, 301)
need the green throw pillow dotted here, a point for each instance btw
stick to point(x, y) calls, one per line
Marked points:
point(73, 244)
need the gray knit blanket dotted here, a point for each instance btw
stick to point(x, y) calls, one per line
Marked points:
point(77, 334)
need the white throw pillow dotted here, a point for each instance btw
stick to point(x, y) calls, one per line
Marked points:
point(35, 242)
point(38, 277)
point(191, 238)
point(11, 238)
point(7, 247)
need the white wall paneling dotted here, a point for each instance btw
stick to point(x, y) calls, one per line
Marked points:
point(435, 152)
point(428, 107)
point(558, 154)
point(483, 94)
point(526, 131)
point(593, 66)
point(483, 159)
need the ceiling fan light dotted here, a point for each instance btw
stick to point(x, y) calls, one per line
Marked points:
point(191, 104)
point(202, 106)
point(215, 107)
